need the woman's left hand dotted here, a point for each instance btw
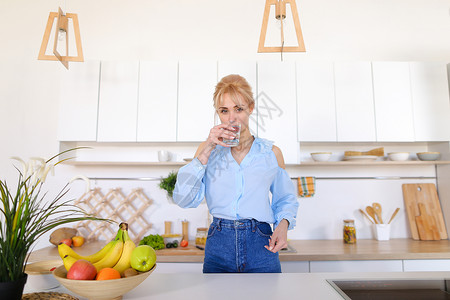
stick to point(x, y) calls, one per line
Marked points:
point(278, 240)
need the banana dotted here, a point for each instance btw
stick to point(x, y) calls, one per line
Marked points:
point(68, 261)
point(64, 250)
point(112, 257)
point(128, 247)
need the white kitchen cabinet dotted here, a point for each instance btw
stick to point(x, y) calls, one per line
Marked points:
point(118, 100)
point(246, 69)
point(157, 103)
point(277, 107)
point(393, 103)
point(431, 107)
point(195, 115)
point(356, 266)
point(77, 120)
point(295, 266)
point(426, 265)
point(180, 267)
point(316, 105)
point(355, 116)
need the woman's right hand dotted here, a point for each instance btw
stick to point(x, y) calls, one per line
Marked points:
point(215, 137)
point(218, 133)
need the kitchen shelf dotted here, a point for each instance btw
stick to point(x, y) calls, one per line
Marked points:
point(302, 164)
point(125, 163)
point(370, 163)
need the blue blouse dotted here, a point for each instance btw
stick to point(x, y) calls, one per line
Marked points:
point(257, 188)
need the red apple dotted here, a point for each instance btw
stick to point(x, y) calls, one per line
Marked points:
point(68, 242)
point(77, 241)
point(82, 270)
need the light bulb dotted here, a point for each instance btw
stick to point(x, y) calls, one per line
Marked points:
point(61, 35)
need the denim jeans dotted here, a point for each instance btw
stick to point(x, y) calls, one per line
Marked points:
point(235, 246)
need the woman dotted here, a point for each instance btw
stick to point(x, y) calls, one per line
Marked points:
point(237, 182)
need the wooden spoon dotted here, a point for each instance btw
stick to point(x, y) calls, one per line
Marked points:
point(394, 214)
point(371, 212)
point(378, 211)
point(366, 215)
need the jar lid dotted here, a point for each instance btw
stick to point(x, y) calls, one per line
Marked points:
point(202, 229)
point(349, 221)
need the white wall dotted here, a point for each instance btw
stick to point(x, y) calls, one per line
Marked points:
point(180, 30)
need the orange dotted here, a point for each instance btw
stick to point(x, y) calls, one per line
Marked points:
point(107, 273)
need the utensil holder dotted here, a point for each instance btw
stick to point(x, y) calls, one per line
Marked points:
point(382, 231)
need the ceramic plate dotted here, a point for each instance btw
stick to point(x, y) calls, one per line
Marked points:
point(360, 158)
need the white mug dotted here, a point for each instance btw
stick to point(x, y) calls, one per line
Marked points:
point(164, 155)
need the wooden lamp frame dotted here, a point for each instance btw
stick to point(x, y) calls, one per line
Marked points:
point(62, 24)
point(280, 13)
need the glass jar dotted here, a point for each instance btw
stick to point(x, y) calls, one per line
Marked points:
point(200, 237)
point(349, 232)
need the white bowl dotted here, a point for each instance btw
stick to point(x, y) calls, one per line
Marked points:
point(321, 156)
point(170, 238)
point(398, 156)
point(40, 277)
point(429, 156)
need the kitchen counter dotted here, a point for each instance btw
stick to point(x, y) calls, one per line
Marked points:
point(299, 250)
point(251, 286)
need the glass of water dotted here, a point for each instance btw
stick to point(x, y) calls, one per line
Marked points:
point(237, 130)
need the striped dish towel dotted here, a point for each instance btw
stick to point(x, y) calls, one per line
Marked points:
point(306, 186)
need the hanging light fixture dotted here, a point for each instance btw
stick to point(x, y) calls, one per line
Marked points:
point(280, 14)
point(61, 34)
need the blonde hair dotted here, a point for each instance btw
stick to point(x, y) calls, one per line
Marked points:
point(237, 87)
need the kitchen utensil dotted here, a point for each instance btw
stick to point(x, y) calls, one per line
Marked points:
point(393, 215)
point(382, 232)
point(425, 193)
point(429, 156)
point(378, 211)
point(376, 152)
point(371, 212)
point(426, 225)
point(185, 230)
point(366, 215)
point(101, 289)
point(167, 227)
point(398, 156)
point(321, 156)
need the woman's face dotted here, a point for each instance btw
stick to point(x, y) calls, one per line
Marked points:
point(229, 111)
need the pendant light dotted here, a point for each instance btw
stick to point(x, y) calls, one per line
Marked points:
point(280, 14)
point(61, 34)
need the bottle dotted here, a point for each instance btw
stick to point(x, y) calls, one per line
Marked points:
point(200, 237)
point(349, 232)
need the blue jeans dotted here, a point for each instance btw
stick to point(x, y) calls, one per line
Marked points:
point(235, 246)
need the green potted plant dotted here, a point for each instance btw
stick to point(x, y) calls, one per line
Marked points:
point(25, 215)
point(168, 183)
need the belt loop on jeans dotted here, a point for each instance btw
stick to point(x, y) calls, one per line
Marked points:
point(254, 222)
point(219, 227)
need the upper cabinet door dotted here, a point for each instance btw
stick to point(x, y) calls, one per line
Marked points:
point(429, 86)
point(393, 104)
point(117, 114)
point(247, 70)
point(196, 85)
point(157, 105)
point(277, 107)
point(79, 102)
point(354, 102)
point(316, 105)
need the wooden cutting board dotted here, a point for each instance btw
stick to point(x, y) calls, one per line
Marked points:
point(426, 225)
point(426, 194)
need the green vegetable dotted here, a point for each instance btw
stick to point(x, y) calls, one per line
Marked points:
point(153, 240)
point(168, 183)
point(174, 245)
point(169, 245)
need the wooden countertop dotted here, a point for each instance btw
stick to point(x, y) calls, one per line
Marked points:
point(299, 250)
